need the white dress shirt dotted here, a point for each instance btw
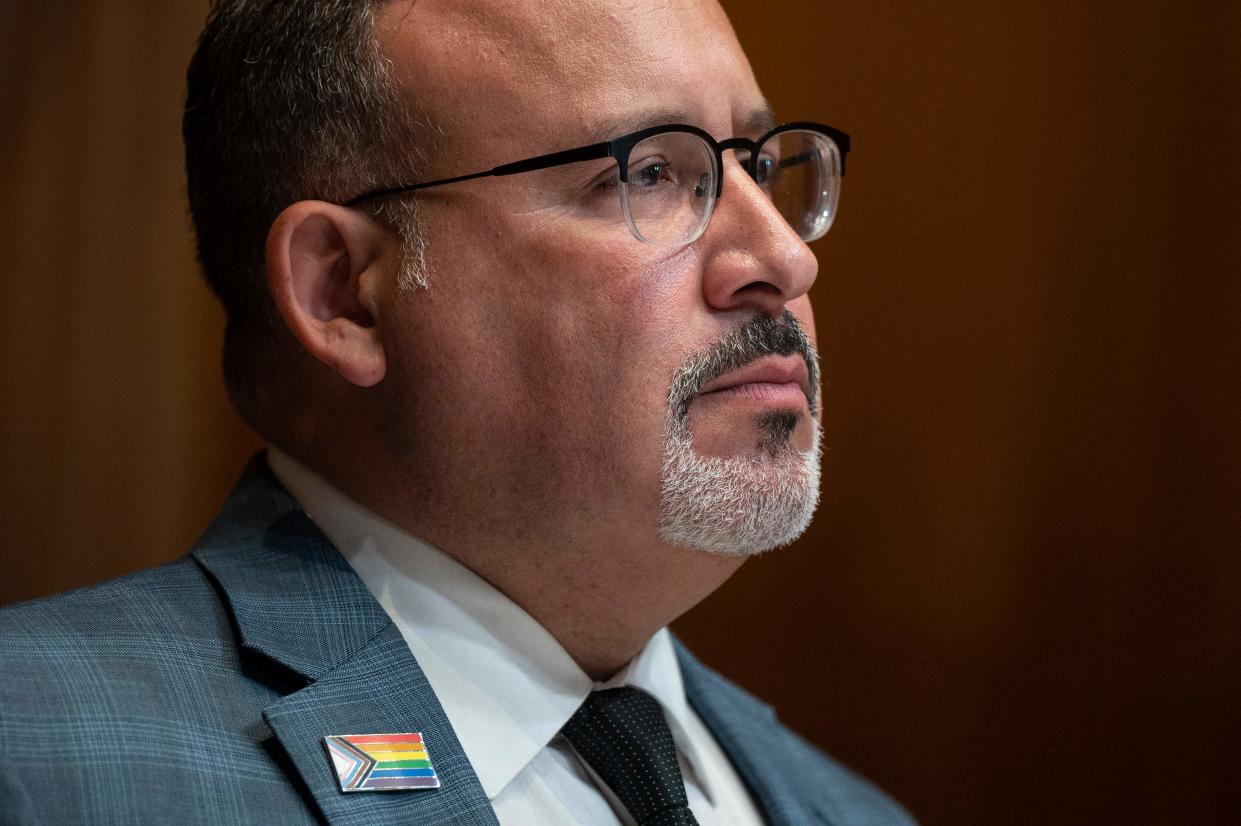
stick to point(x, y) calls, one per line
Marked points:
point(506, 685)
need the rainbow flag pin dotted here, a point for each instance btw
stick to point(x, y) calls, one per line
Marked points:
point(381, 762)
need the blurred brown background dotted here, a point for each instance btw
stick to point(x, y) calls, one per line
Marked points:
point(1019, 602)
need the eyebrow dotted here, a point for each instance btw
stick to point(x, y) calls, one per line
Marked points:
point(756, 121)
point(760, 120)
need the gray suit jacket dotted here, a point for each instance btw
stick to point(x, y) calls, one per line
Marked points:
point(200, 692)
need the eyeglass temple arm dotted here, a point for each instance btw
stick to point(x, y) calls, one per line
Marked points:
point(397, 190)
point(567, 156)
point(584, 153)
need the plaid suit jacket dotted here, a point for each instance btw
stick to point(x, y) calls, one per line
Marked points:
point(200, 692)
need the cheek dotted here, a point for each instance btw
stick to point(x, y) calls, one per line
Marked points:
point(572, 337)
point(606, 293)
point(613, 328)
point(562, 320)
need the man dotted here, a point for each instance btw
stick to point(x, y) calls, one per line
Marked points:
point(519, 423)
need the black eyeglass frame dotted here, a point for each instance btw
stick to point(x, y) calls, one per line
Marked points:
point(619, 149)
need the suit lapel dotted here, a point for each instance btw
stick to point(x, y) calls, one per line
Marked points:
point(381, 689)
point(303, 614)
point(745, 729)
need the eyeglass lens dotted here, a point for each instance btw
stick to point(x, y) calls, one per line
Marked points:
point(671, 187)
point(670, 193)
point(800, 170)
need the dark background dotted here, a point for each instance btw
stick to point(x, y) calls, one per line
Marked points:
point(1019, 601)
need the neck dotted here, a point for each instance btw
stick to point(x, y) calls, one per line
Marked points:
point(602, 603)
point(598, 578)
point(601, 588)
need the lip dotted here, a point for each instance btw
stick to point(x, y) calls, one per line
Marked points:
point(770, 377)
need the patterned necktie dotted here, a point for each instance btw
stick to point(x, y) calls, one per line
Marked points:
point(622, 734)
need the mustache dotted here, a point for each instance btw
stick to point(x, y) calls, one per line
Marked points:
point(758, 337)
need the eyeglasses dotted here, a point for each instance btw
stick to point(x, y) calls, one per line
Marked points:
point(668, 178)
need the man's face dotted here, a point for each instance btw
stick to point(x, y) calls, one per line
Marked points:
point(529, 384)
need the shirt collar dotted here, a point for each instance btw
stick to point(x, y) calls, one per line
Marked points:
point(469, 638)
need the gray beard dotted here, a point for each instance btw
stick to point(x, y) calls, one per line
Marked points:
point(739, 506)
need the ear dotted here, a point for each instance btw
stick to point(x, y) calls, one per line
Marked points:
point(323, 270)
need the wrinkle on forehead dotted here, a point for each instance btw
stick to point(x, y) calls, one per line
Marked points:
point(480, 62)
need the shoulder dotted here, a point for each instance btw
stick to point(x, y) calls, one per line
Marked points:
point(134, 622)
point(785, 771)
point(124, 701)
point(133, 657)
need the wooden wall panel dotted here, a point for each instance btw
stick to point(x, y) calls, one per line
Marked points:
point(116, 442)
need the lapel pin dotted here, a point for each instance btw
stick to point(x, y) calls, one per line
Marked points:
point(381, 762)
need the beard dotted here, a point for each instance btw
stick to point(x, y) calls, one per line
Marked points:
point(740, 506)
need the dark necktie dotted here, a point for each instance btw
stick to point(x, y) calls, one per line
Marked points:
point(622, 734)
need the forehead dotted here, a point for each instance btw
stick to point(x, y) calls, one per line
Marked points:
point(504, 76)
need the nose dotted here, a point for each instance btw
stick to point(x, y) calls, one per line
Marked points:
point(753, 259)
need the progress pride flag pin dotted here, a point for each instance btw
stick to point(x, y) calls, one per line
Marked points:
point(381, 762)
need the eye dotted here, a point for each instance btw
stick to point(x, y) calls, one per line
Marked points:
point(607, 184)
point(700, 188)
point(651, 173)
point(764, 170)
